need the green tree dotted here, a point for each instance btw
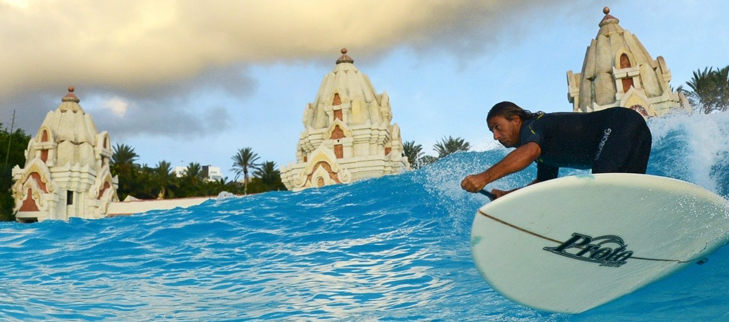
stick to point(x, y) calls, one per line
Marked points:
point(163, 178)
point(414, 153)
point(269, 176)
point(709, 89)
point(192, 180)
point(123, 155)
point(13, 147)
point(243, 162)
point(193, 172)
point(450, 145)
point(122, 164)
point(144, 184)
point(426, 160)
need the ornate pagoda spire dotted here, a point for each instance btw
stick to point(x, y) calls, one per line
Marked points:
point(345, 58)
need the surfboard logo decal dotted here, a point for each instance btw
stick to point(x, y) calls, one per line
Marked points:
point(606, 250)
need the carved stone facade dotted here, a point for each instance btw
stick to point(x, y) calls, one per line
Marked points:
point(347, 133)
point(66, 173)
point(619, 71)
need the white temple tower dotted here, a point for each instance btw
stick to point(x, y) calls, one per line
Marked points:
point(347, 133)
point(66, 172)
point(619, 71)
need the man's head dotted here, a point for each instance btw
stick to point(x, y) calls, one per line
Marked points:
point(505, 120)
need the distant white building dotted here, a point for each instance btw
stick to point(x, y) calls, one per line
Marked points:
point(179, 171)
point(212, 173)
point(209, 172)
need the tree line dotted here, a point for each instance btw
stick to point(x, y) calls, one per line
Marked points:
point(444, 147)
point(161, 182)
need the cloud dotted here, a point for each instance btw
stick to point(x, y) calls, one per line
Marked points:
point(135, 44)
point(149, 53)
point(116, 105)
point(151, 119)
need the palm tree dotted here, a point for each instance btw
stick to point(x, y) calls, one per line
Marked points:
point(123, 155)
point(428, 159)
point(193, 172)
point(450, 145)
point(413, 152)
point(710, 89)
point(243, 161)
point(190, 180)
point(163, 177)
point(122, 164)
point(269, 176)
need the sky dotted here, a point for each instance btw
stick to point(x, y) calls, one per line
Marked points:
point(191, 81)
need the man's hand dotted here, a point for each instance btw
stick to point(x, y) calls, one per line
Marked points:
point(474, 182)
point(514, 161)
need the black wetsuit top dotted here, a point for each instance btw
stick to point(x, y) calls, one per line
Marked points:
point(611, 140)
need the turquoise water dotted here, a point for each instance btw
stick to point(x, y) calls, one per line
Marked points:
point(392, 248)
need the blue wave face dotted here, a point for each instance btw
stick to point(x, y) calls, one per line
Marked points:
point(395, 247)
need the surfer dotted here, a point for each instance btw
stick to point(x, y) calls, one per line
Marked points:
point(611, 140)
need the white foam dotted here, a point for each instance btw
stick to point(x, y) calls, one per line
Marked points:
point(705, 136)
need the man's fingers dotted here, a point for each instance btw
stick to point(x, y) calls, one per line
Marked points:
point(467, 184)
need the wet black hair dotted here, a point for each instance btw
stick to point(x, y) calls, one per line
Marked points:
point(509, 110)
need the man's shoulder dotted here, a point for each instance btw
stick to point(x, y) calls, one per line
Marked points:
point(562, 114)
point(562, 117)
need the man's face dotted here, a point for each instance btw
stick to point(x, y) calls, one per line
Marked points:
point(505, 131)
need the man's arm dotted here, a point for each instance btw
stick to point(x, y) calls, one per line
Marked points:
point(513, 162)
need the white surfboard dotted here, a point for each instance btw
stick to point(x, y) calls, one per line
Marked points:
point(573, 243)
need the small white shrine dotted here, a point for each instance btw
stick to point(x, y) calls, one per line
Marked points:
point(619, 71)
point(347, 133)
point(66, 172)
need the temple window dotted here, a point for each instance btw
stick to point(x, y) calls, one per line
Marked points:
point(624, 61)
point(339, 151)
point(628, 80)
point(338, 115)
point(69, 197)
point(44, 152)
point(338, 133)
point(37, 178)
point(627, 84)
point(337, 100)
point(29, 204)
